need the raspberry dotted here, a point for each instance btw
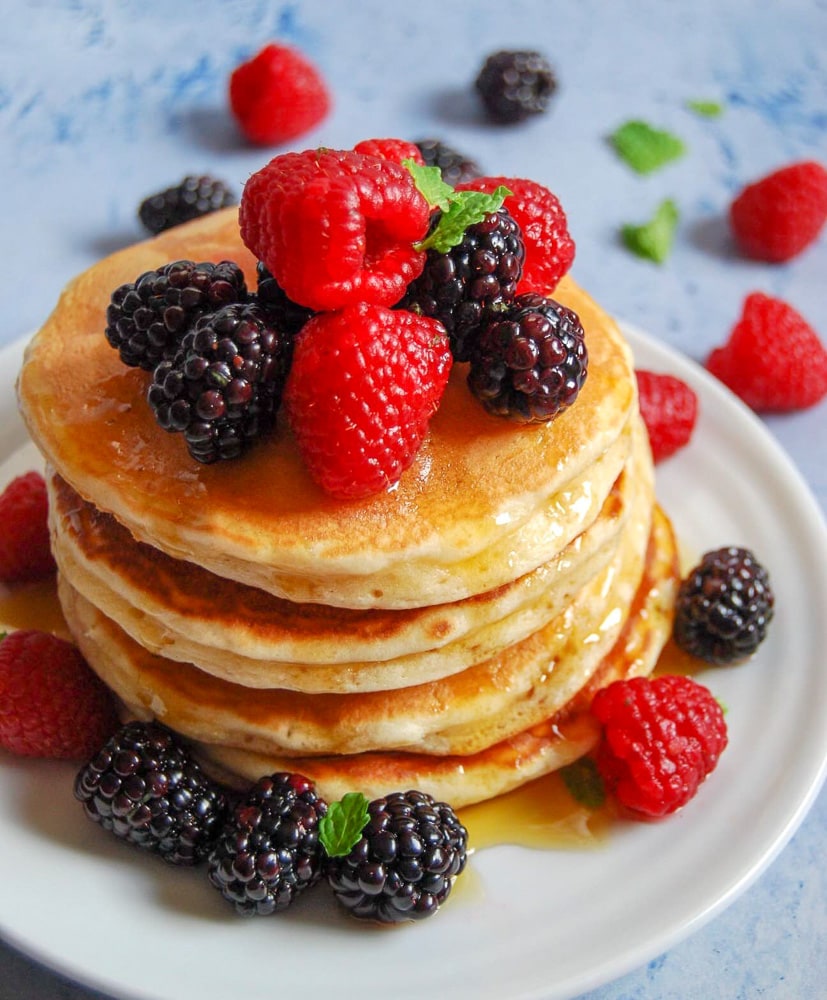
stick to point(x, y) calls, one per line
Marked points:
point(193, 197)
point(395, 150)
point(777, 217)
point(463, 286)
point(25, 554)
point(724, 607)
point(277, 96)
point(335, 227)
point(661, 738)
point(549, 249)
point(669, 408)
point(454, 166)
point(51, 703)
point(514, 85)
point(364, 384)
point(530, 362)
point(773, 360)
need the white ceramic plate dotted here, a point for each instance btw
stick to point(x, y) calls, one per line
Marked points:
point(529, 924)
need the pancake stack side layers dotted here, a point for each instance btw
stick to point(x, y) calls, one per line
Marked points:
point(447, 634)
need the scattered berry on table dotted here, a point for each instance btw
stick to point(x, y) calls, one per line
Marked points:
point(223, 387)
point(775, 218)
point(724, 607)
point(530, 362)
point(669, 408)
point(405, 863)
point(145, 788)
point(454, 166)
point(335, 227)
point(193, 197)
point(278, 95)
point(25, 554)
point(773, 359)
point(515, 85)
point(146, 319)
point(268, 851)
point(549, 248)
point(478, 276)
point(287, 315)
point(395, 150)
point(363, 386)
point(51, 702)
point(661, 738)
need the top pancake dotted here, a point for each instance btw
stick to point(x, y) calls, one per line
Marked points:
point(486, 499)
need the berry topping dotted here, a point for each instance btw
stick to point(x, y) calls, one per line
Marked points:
point(51, 703)
point(724, 607)
point(454, 166)
point(549, 249)
point(669, 408)
point(514, 85)
point(193, 197)
point(661, 738)
point(405, 861)
point(146, 319)
point(282, 312)
point(464, 285)
point(395, 150)
point(144, 787)
point(364, 384)
point(277, 96)
point(335, 227)
point(223, 387)
point(773, 360)
point(268, 851)
point(530, 362)
point(25, 554)
point(777, 217)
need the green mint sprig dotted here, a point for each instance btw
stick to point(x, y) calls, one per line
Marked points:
point(645, 148)
point(653, 239)
point(341, 828)
point(706, 109)
point(584, 783)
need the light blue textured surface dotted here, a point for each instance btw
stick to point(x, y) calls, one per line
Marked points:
point(102, 103)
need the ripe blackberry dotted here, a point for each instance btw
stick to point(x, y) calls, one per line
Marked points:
point(454, 166)
point(268, 851)
point(724, 607)
point(284, 312)
point(515, 85)
point(192, 198)
point(147, 318)
point(223, 387)
point(405, 863)
point(145, 788)
point(531, 362)
point(462, 287)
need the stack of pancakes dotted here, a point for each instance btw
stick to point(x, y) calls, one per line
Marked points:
point(447, 634)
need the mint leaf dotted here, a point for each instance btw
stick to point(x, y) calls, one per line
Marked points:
point(465, 209)
point(429, 183)
point(653, 239)
point(707, 109)
point(645, 148)
point(341, 828)
point(584, 783)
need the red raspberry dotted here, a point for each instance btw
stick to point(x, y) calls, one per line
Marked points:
point(364, 384)
point(549, 249)
point(396, 150)
point(51, 703)
point(776, 217)
point(669, 408)
point(773, 360)
point(277, 96)
point(24, 532)
point(661, 738)
point(335, 227)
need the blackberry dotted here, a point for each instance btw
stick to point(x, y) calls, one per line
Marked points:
point(724, 607)
point(223, 387)
point(144, 787)
point(193, 197)
point(268, 851)
point(513, 85)
point(404, 866)
point(454, 166)
point(147, 318)
point(531, 362)
point(462, 287)
point(285, 313)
